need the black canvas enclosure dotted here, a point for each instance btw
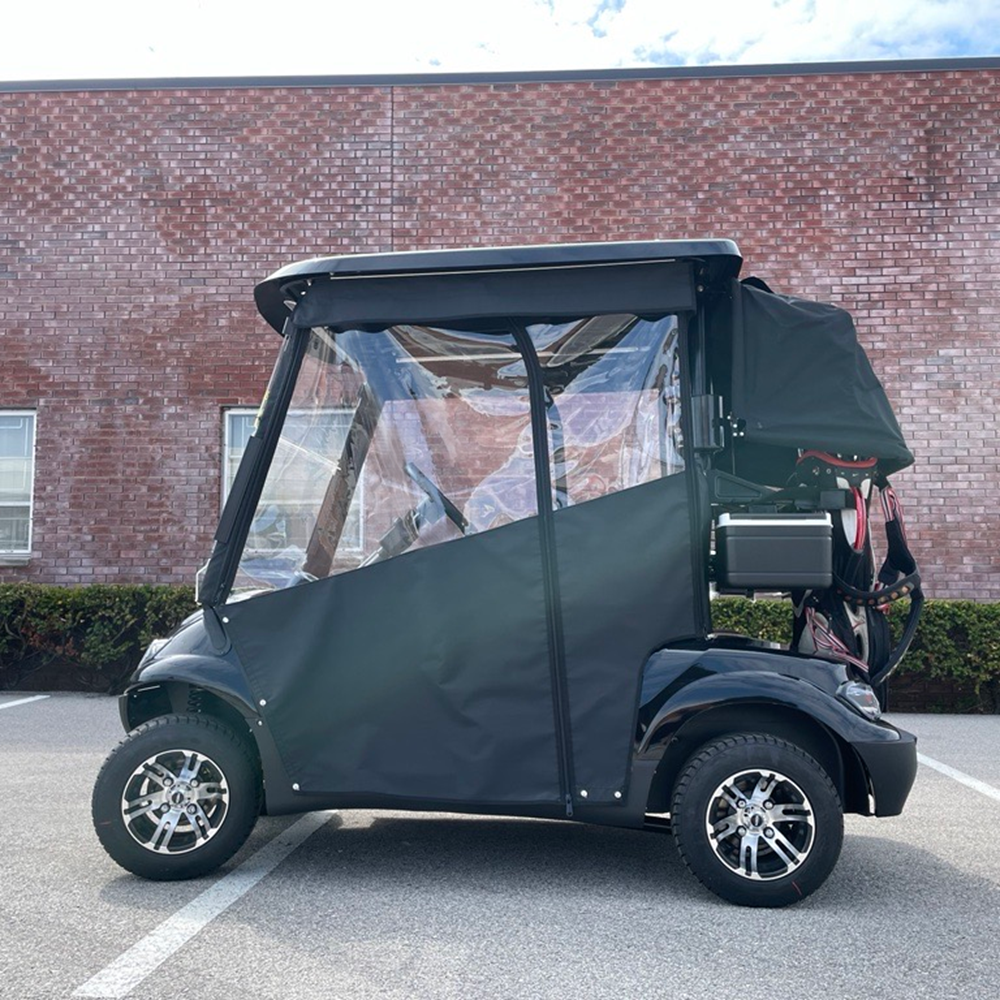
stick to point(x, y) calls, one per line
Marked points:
point(429, 676)
point(426, 676)
point(802, 380)
point(616, 610)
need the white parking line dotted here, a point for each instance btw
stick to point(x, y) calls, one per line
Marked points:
point(143, 958)
point(23, 701)
point(965, 779)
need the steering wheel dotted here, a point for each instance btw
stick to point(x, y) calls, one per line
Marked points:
point(451, 511)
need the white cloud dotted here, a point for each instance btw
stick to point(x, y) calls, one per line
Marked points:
point(768, 31)
point(114, 38)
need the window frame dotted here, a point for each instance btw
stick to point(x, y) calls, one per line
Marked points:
point(225, 485)
point(19, 557)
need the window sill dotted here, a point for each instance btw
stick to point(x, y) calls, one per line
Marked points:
point(14, 558)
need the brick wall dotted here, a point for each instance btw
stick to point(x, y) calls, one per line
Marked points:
point(136, 223)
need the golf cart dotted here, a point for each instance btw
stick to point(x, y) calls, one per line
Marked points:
point(469, 558)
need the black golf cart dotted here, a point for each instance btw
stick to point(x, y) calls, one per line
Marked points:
point(468, 560)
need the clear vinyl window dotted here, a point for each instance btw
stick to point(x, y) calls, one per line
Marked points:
point(394, 440)
point(613, 403)
point(284, 516)
point(412, 436)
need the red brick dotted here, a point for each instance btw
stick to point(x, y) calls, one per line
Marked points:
point(135, 225)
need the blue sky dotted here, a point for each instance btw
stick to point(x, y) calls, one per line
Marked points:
point(88, 39)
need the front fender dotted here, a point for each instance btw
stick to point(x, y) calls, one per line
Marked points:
point(223, 677)
point(219, 675)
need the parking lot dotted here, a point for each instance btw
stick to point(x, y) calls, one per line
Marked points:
point(402, 905)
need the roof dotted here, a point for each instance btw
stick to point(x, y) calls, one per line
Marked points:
point(713, 71)
point(720, 259)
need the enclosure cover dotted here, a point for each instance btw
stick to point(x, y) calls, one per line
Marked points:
point(468, 542)
point(802, 380)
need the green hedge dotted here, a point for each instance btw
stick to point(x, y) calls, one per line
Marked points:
point(90, 638)
point(82, 638)
point(957, 642)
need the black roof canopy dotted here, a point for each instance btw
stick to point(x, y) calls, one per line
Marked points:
point(403, 277)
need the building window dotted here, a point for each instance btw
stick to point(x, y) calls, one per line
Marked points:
point(17, 476)
point(238, 429)
point(288, 505)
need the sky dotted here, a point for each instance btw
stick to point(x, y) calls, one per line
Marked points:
point(100, 39)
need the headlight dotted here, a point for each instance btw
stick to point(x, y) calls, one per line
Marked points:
point(152, 649)
point(862, 697)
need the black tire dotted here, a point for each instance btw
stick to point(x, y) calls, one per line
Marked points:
point(757, 820)
point(195, 791)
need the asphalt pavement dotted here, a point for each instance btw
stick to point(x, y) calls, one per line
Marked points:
point(360, 904)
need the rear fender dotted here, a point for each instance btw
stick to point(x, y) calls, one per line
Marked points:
point(760, 687)
point(761, 702)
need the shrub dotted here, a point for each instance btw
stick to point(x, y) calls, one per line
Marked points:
point(82, 638)
point(957, 641)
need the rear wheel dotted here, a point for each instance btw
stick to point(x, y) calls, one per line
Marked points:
point(757, 820)
point(177, 797)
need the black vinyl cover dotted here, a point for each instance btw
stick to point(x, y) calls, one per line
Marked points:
point(626, 583)
point(425, 676)
point(543, 293)
point(430, 676)
point(802, 380)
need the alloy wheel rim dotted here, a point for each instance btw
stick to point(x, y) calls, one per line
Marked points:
point(175, 801)
point(760, 824)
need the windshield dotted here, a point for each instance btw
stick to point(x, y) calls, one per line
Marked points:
point(416, 435)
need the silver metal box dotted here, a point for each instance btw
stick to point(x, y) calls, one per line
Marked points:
point(774, 551)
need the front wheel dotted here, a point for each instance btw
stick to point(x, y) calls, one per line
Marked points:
point(177, 797)
point(757, 820)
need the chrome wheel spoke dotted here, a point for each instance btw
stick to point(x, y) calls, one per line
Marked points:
point(793, 812)
point(725, 828)
point(200, 824)
point(748, 855)
point(192, 765)
point(210, 792)
point(160, 841)
point(783, 848)
point(764, 788)
point(731, 794)
point(154, 770)
point(141, 806)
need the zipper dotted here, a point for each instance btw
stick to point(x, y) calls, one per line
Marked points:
point(550, 565)
point(696, 490)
